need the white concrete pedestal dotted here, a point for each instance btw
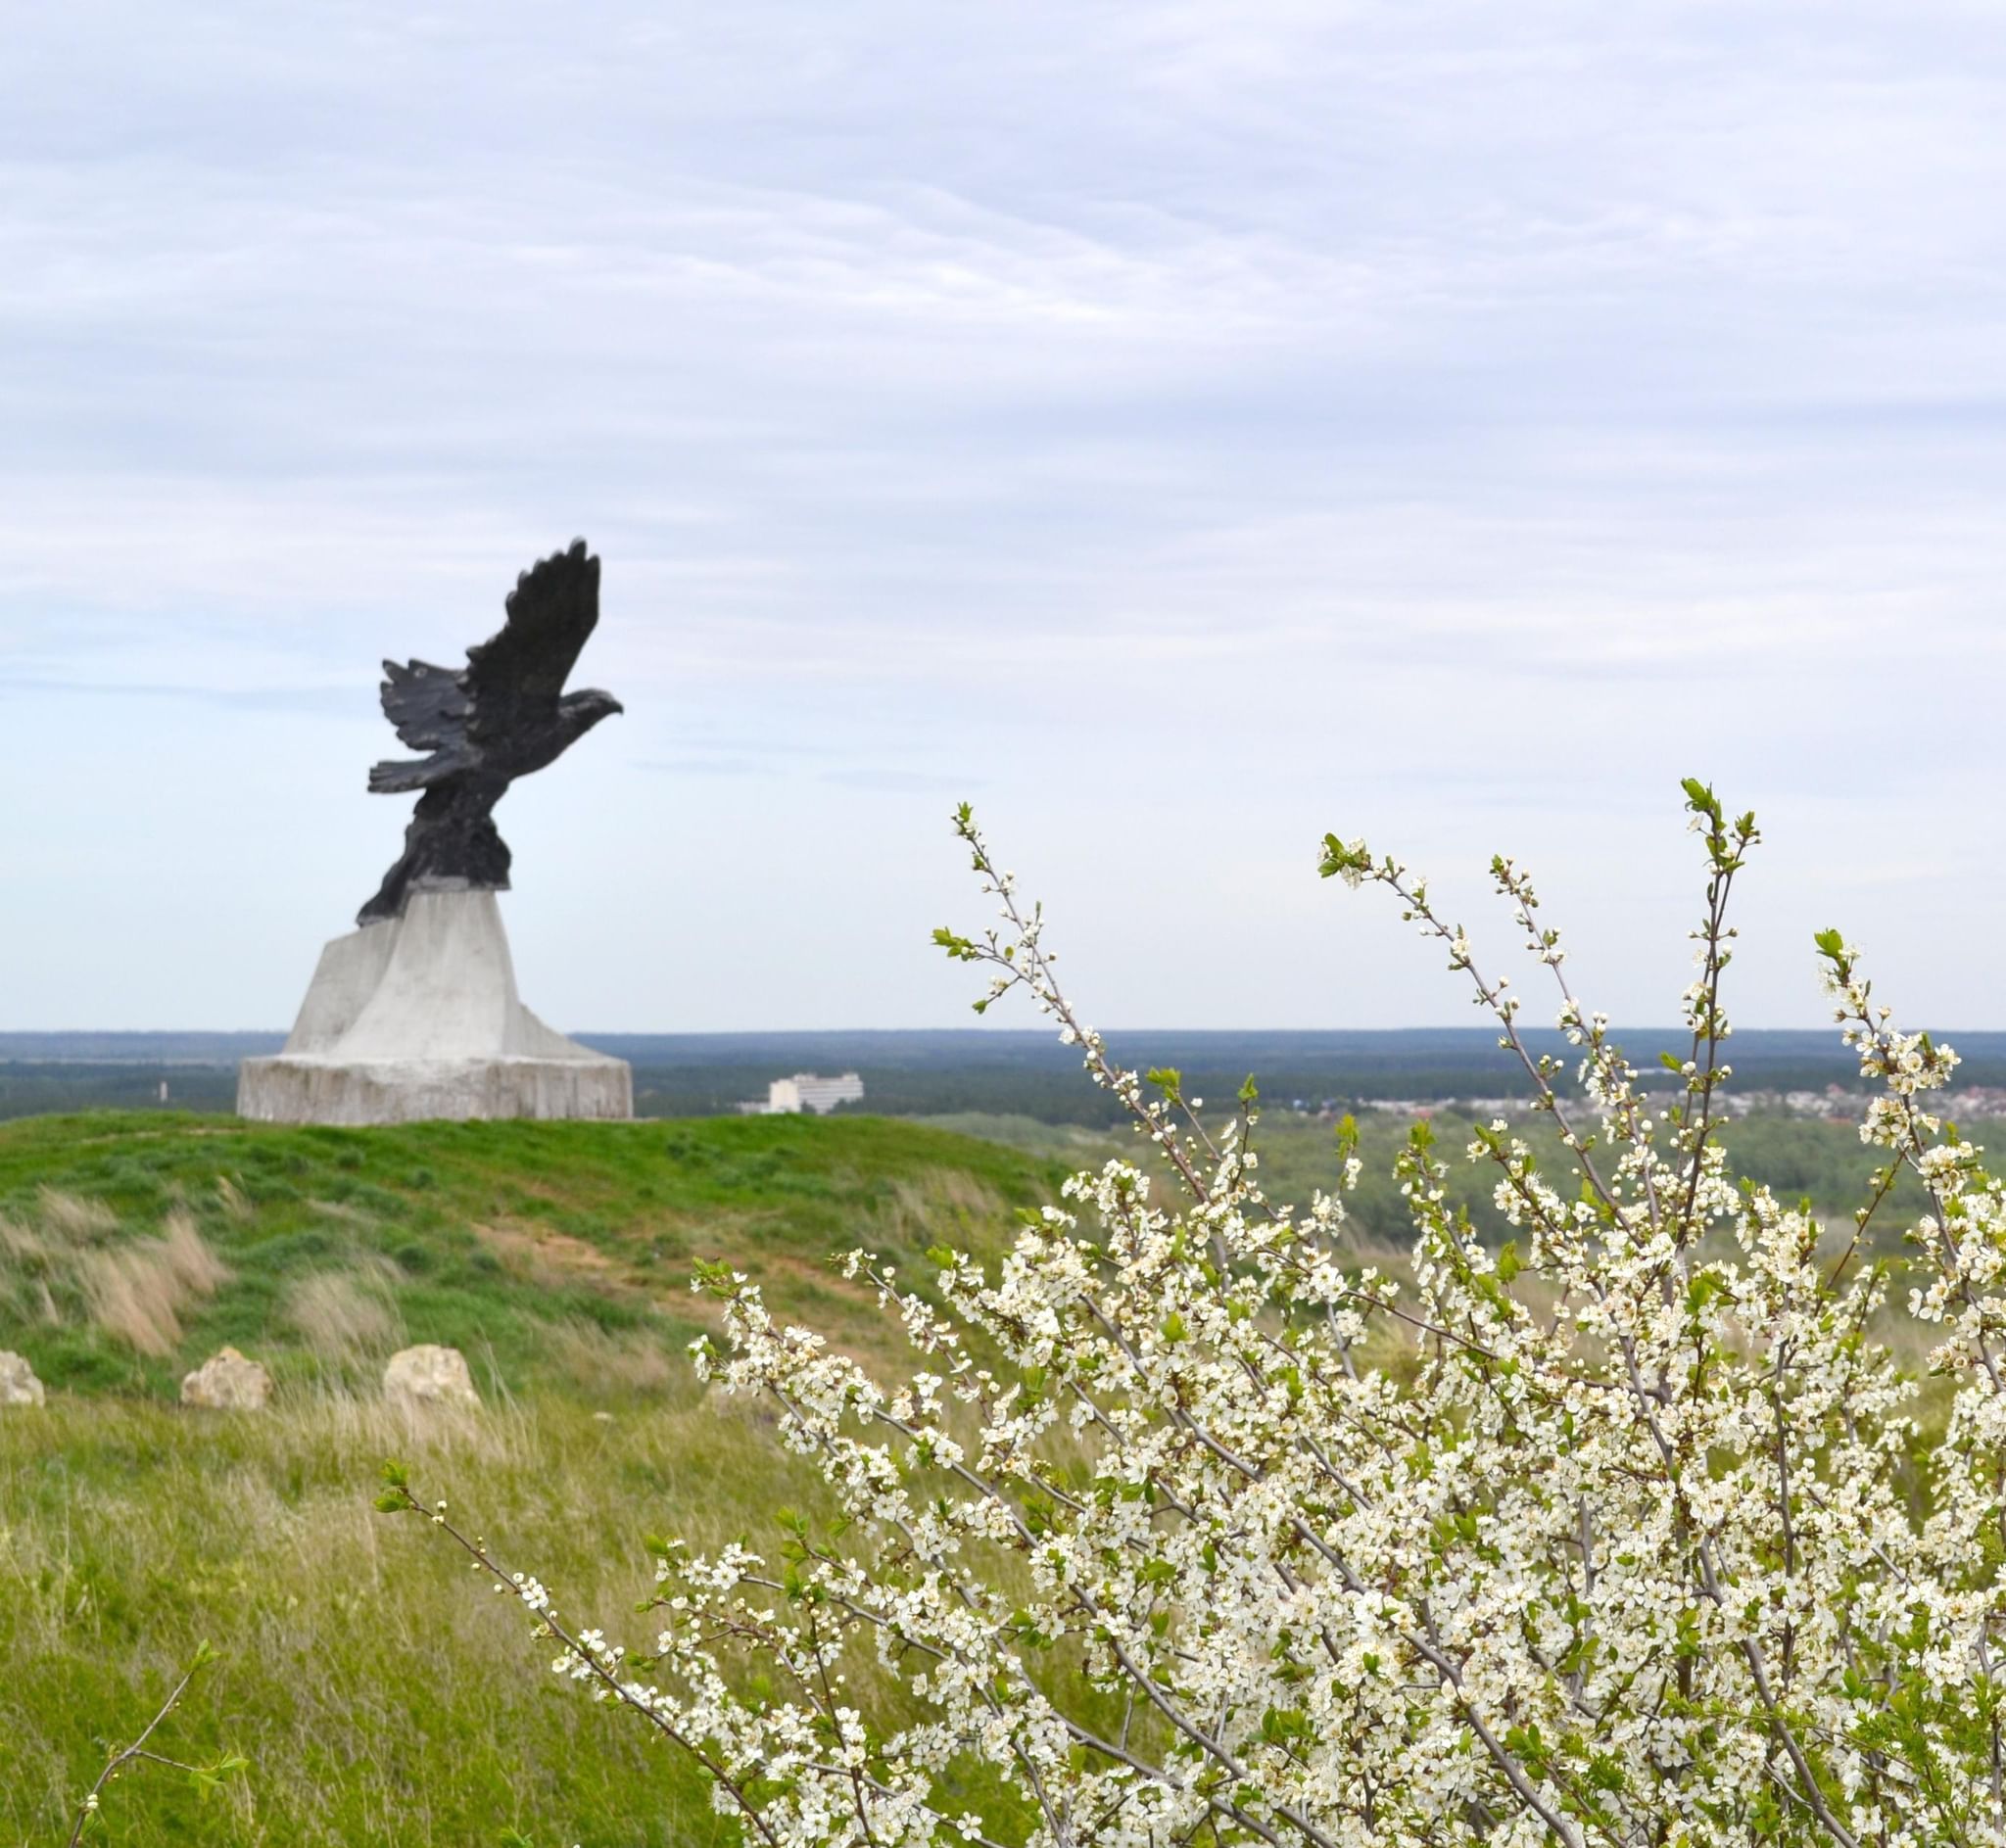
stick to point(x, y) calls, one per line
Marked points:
point(417, 1017)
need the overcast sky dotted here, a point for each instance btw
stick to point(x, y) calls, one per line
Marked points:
point(1178, 429)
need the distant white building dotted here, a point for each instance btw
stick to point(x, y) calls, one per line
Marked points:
point(806, 1091)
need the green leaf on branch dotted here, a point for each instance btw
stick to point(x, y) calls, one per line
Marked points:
point(207, 1780)
point(1348, 859)
point(962, 949)
point(1346, 1136)
point(714, 1278)
point(1701, 800)
point(1283, 1726)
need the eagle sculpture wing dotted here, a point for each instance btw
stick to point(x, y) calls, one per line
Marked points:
point(552, 613)
point(427, 704)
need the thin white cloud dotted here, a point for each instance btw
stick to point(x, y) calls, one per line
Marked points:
point(1182, 422)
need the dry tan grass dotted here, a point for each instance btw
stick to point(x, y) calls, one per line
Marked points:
point(341, 1210)
point(73, 1217)
point(637, 1361)
point(940, 1201)
point(137, 1292)
point(343, 1314)
point(547, 1258)
point(23, 1256)
point(231, 1195)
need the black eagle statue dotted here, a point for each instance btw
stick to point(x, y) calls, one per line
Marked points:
point(501, 717)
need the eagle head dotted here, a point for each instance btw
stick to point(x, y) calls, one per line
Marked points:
point(584, 710)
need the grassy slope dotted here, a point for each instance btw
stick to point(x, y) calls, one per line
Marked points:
point(379, 1694)
point(506, 1240)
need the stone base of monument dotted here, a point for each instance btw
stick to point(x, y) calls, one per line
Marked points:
point(417, 1017)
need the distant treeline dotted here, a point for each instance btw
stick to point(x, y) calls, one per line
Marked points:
point(40, 1089)
point(936, 1073)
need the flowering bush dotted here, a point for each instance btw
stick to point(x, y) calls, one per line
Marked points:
point(1185, 1528)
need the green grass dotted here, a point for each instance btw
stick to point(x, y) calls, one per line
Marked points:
point(380, 1693)
point(528, 1246)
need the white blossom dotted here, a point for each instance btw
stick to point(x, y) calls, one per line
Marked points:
point(1189, 1527)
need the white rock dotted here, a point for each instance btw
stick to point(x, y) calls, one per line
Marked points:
point(430, 1375)
point(227, 1382)
point(18, 1383)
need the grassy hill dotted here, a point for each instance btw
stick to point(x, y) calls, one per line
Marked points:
point(132, 1246)
point(376, 1695)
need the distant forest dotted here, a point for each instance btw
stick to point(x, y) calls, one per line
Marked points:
point(936, 1073)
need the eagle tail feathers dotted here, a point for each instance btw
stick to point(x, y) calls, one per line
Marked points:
point(400, 775)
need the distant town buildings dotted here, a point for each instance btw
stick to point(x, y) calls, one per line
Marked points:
point(1475, 1108)
point(1835, 1103)
point(1973, 1103)
point(805, 1091)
